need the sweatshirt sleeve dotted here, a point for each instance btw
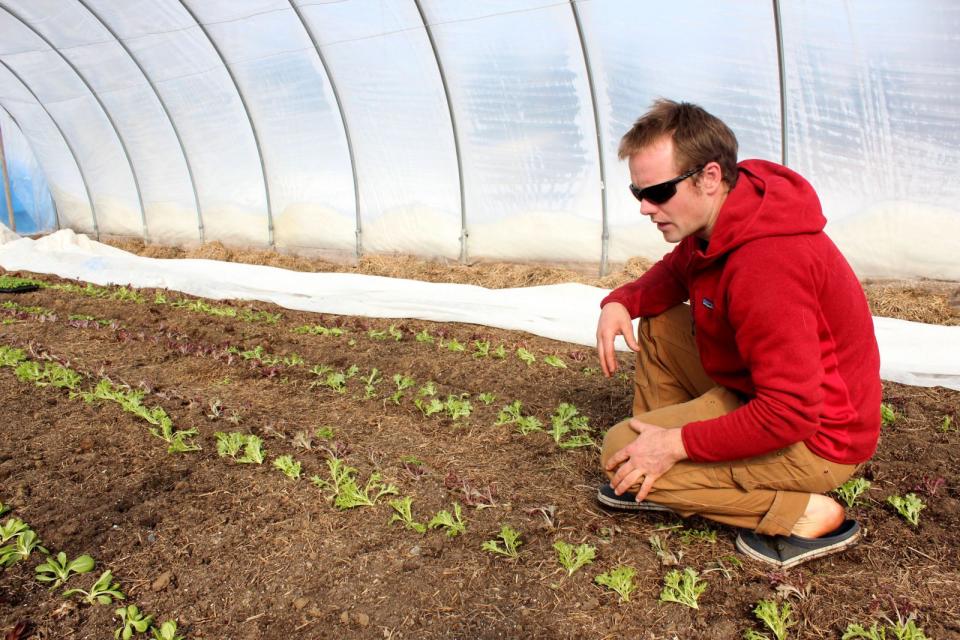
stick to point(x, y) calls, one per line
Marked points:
point(774, 312)
point(662, 286)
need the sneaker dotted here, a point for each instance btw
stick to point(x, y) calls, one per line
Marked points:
point(627, 501)
point(789, 551)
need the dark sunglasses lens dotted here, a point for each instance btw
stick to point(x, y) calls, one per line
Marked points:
point(657, 194)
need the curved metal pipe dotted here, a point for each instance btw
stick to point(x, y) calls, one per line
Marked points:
point(66, 141)
point(346, 127)
point(246, 109)
point(103, 107)
point(464, 231)
point(56, 213)
point(605, 230)
point(166, 111)
point(781, 60)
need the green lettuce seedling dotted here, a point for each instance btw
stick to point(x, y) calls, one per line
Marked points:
point(404, 514)
point(57, 570)
point(777, 620)
point(453, 345)
point(3, 508)
point(131, 621)
point(166, 631)
point(662, 548)
point(908, 506)
point(902, 630)
point(458, 406)
point(499, 353)
point(395, 333)
point(370, 383)
point(852, 489)
point(103, 591)
point(288, 466)
point(887, 415)
point(487, 398)
point(481, 348)
point(619, 580)
point(946, 426)
point(229, 444)
point(10, 357)
point(22, 546)
point(252, 451)
point(688, 536)
point(403, 383)
point(11, 528)
point(568, 427)
point(345, 491)
point(453, 523)
point(324, 433)
point(527, 357)
point(429, 408)
point(683, 588)
point(511, 543)
point(555, 361)
point(424, 336)
point(572, 558)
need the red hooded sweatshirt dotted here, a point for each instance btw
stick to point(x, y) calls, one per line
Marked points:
point(779, 317)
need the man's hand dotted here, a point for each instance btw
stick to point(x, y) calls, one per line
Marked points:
point(649, 456)
point(614, 321)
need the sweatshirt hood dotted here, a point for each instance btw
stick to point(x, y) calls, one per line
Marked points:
point(768, 200)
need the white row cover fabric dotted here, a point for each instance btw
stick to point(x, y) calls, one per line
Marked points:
point(476, 129)
point(910, 352)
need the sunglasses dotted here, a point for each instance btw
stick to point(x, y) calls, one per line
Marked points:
point(660, 193)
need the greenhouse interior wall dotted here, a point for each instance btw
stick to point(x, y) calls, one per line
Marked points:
point(468, 130)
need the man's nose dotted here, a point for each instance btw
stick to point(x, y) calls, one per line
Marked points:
point(647, 208)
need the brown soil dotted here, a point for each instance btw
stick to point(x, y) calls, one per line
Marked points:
point(240, 552)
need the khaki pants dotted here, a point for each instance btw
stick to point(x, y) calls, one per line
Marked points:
point(767, 493)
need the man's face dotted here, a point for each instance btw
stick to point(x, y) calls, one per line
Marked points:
point(687, 212)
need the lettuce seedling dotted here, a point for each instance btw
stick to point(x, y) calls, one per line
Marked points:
point(229, 444)
point(287, 465)
point(429, 408)
point(404, 514)
point(103, 591)
point(481, 348)
point(453, 523)
point(908, 506)
point(324, 433)
point(778, 621)
point(424, 336)
point(688, 536)
point(499, 353)
point(662, 549)
point(902, 630)
point(852, 489)
point(887, 415)
point(429, 389)
point(619, 580)
point(573, 558)
point(11, 528)
point(376, 334)
point(252, 451)
point(510, 413)
point(395, 333)
point(458, 406)
point(487, 398)
point(453, 345)
point(131, 621)
point(167, 631)
point(403, 383)
point(567, 420)
point(370, 383)
point(319, 330)
point(10, 357)
point(350, 495)
point(3, 508)
point(511, 543)
point(23, 545)
point(555, 361)
point(683, 588)
point(527, 357)
point(28, 371)
point(946, 426)
point(57, 570)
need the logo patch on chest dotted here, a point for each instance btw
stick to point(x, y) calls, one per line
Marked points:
point(707, 302)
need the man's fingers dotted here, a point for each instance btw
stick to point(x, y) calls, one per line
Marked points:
point(616, 459)
point(608, 363)
point(646, 486)
point(626, 330)
point(628, 480)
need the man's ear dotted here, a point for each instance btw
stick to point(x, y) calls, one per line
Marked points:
point(711, 178)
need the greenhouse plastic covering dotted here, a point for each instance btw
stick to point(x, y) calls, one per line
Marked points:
point(469, 130)
point(910, 352)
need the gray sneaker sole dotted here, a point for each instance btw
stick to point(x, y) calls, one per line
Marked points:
point(630, 504)
point(812, 553)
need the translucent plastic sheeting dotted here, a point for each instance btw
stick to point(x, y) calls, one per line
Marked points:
point(203, 102)
point(32, 207)
point(169, 207)
point(910, 352)
point(388, 79)
point(872, 90)
point(294, 111)
point(71, 104)
point(722, 56)
point(59, 168)
point(519, 89)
